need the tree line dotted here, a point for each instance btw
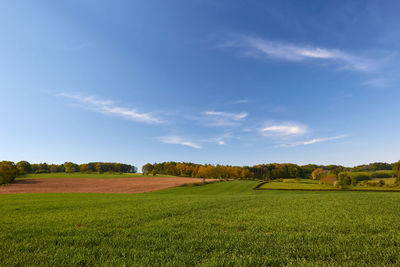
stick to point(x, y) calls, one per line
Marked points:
point(263, 171)
point(9, 170)
point(25, 167)
point(197, 170)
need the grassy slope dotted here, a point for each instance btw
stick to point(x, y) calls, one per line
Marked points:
point(303, 184)
point(308, 184)
point(82, 175)
point(216, 224)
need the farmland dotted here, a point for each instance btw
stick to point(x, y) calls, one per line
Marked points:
point(86, 185)
point(224, 223)
point(94, 175)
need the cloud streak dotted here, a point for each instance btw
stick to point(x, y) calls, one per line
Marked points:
point(287, 129)
point(219, 118)
point(264, 48)
point(314, 141)
point(179, 141)
point(108, 107)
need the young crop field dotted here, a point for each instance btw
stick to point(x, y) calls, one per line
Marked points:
point(224, 223)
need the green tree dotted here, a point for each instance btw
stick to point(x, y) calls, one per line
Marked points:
point(24, 167)
point(99, 167)
point(147, 168)
point(71, 167)
point(8, 172)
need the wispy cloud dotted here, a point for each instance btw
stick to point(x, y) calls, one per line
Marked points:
point(258, 47)
point(110, 108)
point(286, 129)
point(240, 101)
point(221, 139)
point(179, 141)
point(219, 118)
point(381, 82)
point(313, 141)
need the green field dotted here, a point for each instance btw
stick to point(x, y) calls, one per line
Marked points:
point(308, 184)
point(304, 184)
point(82, 175)
point(224, 223)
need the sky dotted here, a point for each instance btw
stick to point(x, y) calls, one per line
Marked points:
point(210, 81)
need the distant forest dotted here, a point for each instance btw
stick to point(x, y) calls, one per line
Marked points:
point(24, 167)
point(262, 171)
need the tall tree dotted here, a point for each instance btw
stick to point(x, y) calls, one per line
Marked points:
point(24, 167)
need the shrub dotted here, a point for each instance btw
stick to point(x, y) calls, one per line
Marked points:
point(328, 179)
point(8, 172)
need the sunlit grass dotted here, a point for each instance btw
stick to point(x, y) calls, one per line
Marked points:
point(224, 223)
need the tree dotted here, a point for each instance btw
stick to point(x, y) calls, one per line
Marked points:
point(71, 167)
point(53, 168)
point(99, 167)
point(24, 167)
point(147, 168)
point(318, 173)
point(8, 172)
point(345, 179)
point(83, 168)
point(396, 171)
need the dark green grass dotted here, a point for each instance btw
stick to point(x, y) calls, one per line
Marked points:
point(83, 175)
point(217, 224)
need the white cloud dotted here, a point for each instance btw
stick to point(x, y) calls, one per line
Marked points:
point(219, 118)
point(179, 141)
point(314, 141)
point(108, 107)
point(283, 129)
point(265, 48)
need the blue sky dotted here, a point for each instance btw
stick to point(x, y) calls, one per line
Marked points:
point(230, 82)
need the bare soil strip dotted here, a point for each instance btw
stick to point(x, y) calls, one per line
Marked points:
point(88, 185)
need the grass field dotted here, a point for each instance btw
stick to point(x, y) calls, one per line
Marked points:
point(82, 175)
point(308, 184)
point(224, 223)
point(303, 184)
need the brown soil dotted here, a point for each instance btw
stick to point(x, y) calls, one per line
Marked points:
point(77, 185)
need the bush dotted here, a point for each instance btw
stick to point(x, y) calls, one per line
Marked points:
point(8, 172)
